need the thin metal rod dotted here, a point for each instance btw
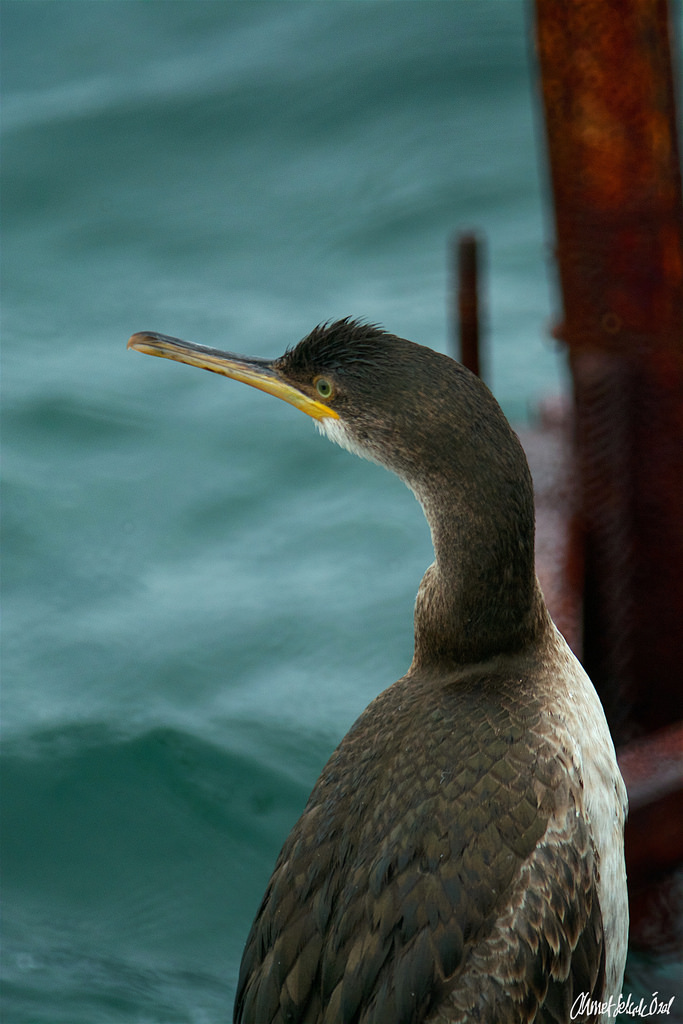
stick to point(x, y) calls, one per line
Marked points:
point(467, 257)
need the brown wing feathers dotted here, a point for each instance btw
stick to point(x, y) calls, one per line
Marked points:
point(475, 902)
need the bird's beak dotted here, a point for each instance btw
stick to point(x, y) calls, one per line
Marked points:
point(260, 373)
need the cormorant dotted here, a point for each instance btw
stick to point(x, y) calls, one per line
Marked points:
point(460, 858)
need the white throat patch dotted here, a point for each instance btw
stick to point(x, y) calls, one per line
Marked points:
point(336, 431)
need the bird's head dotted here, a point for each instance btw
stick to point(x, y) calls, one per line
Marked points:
point(382, 397)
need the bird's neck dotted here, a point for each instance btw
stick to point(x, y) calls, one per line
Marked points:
point(480, 597)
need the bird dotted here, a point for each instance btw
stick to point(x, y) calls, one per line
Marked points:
point(460, 857)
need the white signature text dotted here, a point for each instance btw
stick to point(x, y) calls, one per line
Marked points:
point(583, 1005)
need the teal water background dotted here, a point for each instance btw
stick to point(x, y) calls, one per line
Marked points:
point(200, 594)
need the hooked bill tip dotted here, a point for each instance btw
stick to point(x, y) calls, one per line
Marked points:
point(140, 338)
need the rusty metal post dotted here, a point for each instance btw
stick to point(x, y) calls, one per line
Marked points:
point(467, 319)
point(608, 95)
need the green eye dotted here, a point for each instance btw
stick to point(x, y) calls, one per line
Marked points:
point(323, 387)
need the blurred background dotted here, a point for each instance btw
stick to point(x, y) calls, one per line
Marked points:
point(200, 593)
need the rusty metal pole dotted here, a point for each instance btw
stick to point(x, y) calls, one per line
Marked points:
point(467, 260)
point(608, 96)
